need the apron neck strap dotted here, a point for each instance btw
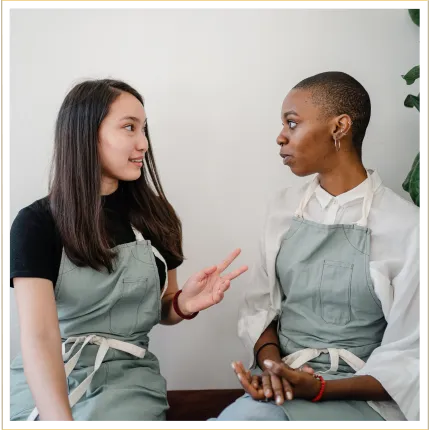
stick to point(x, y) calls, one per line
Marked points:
point(307, 196)
point(367, 201)
point(137, 234)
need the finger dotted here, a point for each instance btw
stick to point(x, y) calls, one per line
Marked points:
point(205, 272)
point(222, 266)
point(241, 366)
point(280, 369)
point(236, 273)
point(217, 297)
point(288, 389)
point(240, 370)
point(267, 385)
point(256, 382)
point(249, 376)
point(255, 394)
point(222, 286)
point(278, 389)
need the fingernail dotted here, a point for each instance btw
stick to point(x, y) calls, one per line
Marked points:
point(278, 400)
point(289, 395)
point(268, 363)
point(232, 365)
point(267, 393)
point(239, 376)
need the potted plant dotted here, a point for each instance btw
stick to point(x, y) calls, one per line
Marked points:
point(412, 181)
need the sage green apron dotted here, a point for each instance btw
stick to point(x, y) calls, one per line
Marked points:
point(104, 322)
point(330, 315)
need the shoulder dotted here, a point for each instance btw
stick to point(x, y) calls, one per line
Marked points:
point(36, 215)
point(35, 244)
point(397, 212)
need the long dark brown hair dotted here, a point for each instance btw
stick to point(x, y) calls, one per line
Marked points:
point(75, 183)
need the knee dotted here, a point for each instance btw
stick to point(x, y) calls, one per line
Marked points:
point(247, 409)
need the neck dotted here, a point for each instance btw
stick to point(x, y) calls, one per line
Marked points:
point(344, 177)
point(108, 185)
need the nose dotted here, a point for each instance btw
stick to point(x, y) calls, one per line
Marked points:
point(142, 143)
point(282, 138)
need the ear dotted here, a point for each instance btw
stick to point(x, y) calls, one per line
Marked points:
point(341, 126)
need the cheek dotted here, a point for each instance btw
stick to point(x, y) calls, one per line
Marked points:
point(113, 148)
point(311, 143)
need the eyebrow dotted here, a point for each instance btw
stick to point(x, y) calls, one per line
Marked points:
point(133, 118)
point(289, 112)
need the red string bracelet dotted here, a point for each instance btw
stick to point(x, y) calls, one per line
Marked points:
point(317, 398)
point(178, 311)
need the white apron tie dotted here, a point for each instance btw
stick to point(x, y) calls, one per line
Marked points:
point(299, 358)
point(105, 344)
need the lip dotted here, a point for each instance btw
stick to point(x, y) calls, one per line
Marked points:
point(139, 165)
point(286, 158)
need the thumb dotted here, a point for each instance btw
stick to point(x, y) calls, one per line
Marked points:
point(308, 369)
point(280, 369)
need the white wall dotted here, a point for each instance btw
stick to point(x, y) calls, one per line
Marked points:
point(213, 81)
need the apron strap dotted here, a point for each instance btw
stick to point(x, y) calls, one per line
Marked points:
point(299, 358)
point(307, 196)
point(139, 238)
point(367, 201)
point(105, 344)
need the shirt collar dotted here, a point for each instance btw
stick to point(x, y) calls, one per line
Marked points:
point(324, 198)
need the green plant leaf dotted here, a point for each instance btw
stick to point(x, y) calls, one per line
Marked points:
point(412, 182)
point(412, 101)
point(415, 16)
point(412, 75)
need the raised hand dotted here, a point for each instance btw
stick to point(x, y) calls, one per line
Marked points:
point(207, 287)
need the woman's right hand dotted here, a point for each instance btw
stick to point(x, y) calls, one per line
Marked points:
point(266, 386)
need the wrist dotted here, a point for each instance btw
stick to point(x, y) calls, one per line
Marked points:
point(182, 303)
point(182, 312)
point(269, 352)
point(320, 390)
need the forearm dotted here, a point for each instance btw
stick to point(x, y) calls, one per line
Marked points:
point(44, 370)
point(269, 352)
point(355, 388)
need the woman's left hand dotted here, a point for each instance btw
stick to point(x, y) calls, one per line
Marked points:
point(303, 383)
point(207, 287)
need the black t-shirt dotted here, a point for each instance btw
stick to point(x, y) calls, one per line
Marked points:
point(36, 245)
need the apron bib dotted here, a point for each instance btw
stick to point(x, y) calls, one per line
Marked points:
point(104, 321)
point(330, 314)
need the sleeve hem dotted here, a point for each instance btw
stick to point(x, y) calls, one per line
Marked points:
point(27, 274)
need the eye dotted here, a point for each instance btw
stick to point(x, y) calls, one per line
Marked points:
point(292, 124)
point(129, 127)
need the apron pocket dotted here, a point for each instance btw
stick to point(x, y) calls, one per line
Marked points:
point(124, 313)
point(335, 292)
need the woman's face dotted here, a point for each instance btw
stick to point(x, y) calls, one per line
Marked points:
point(306, 138)
point(122, 139)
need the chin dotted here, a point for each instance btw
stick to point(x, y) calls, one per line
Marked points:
point(131, 176)
point(301, 171)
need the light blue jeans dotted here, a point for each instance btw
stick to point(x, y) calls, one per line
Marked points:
point(245, 408)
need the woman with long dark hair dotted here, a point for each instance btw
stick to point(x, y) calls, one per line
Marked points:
point(94, 268)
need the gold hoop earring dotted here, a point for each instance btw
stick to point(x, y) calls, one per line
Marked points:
point(337, 144)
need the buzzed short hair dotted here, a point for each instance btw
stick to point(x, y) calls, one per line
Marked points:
point(338, 93)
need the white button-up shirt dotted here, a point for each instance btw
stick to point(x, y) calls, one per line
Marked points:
point(394, 269)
